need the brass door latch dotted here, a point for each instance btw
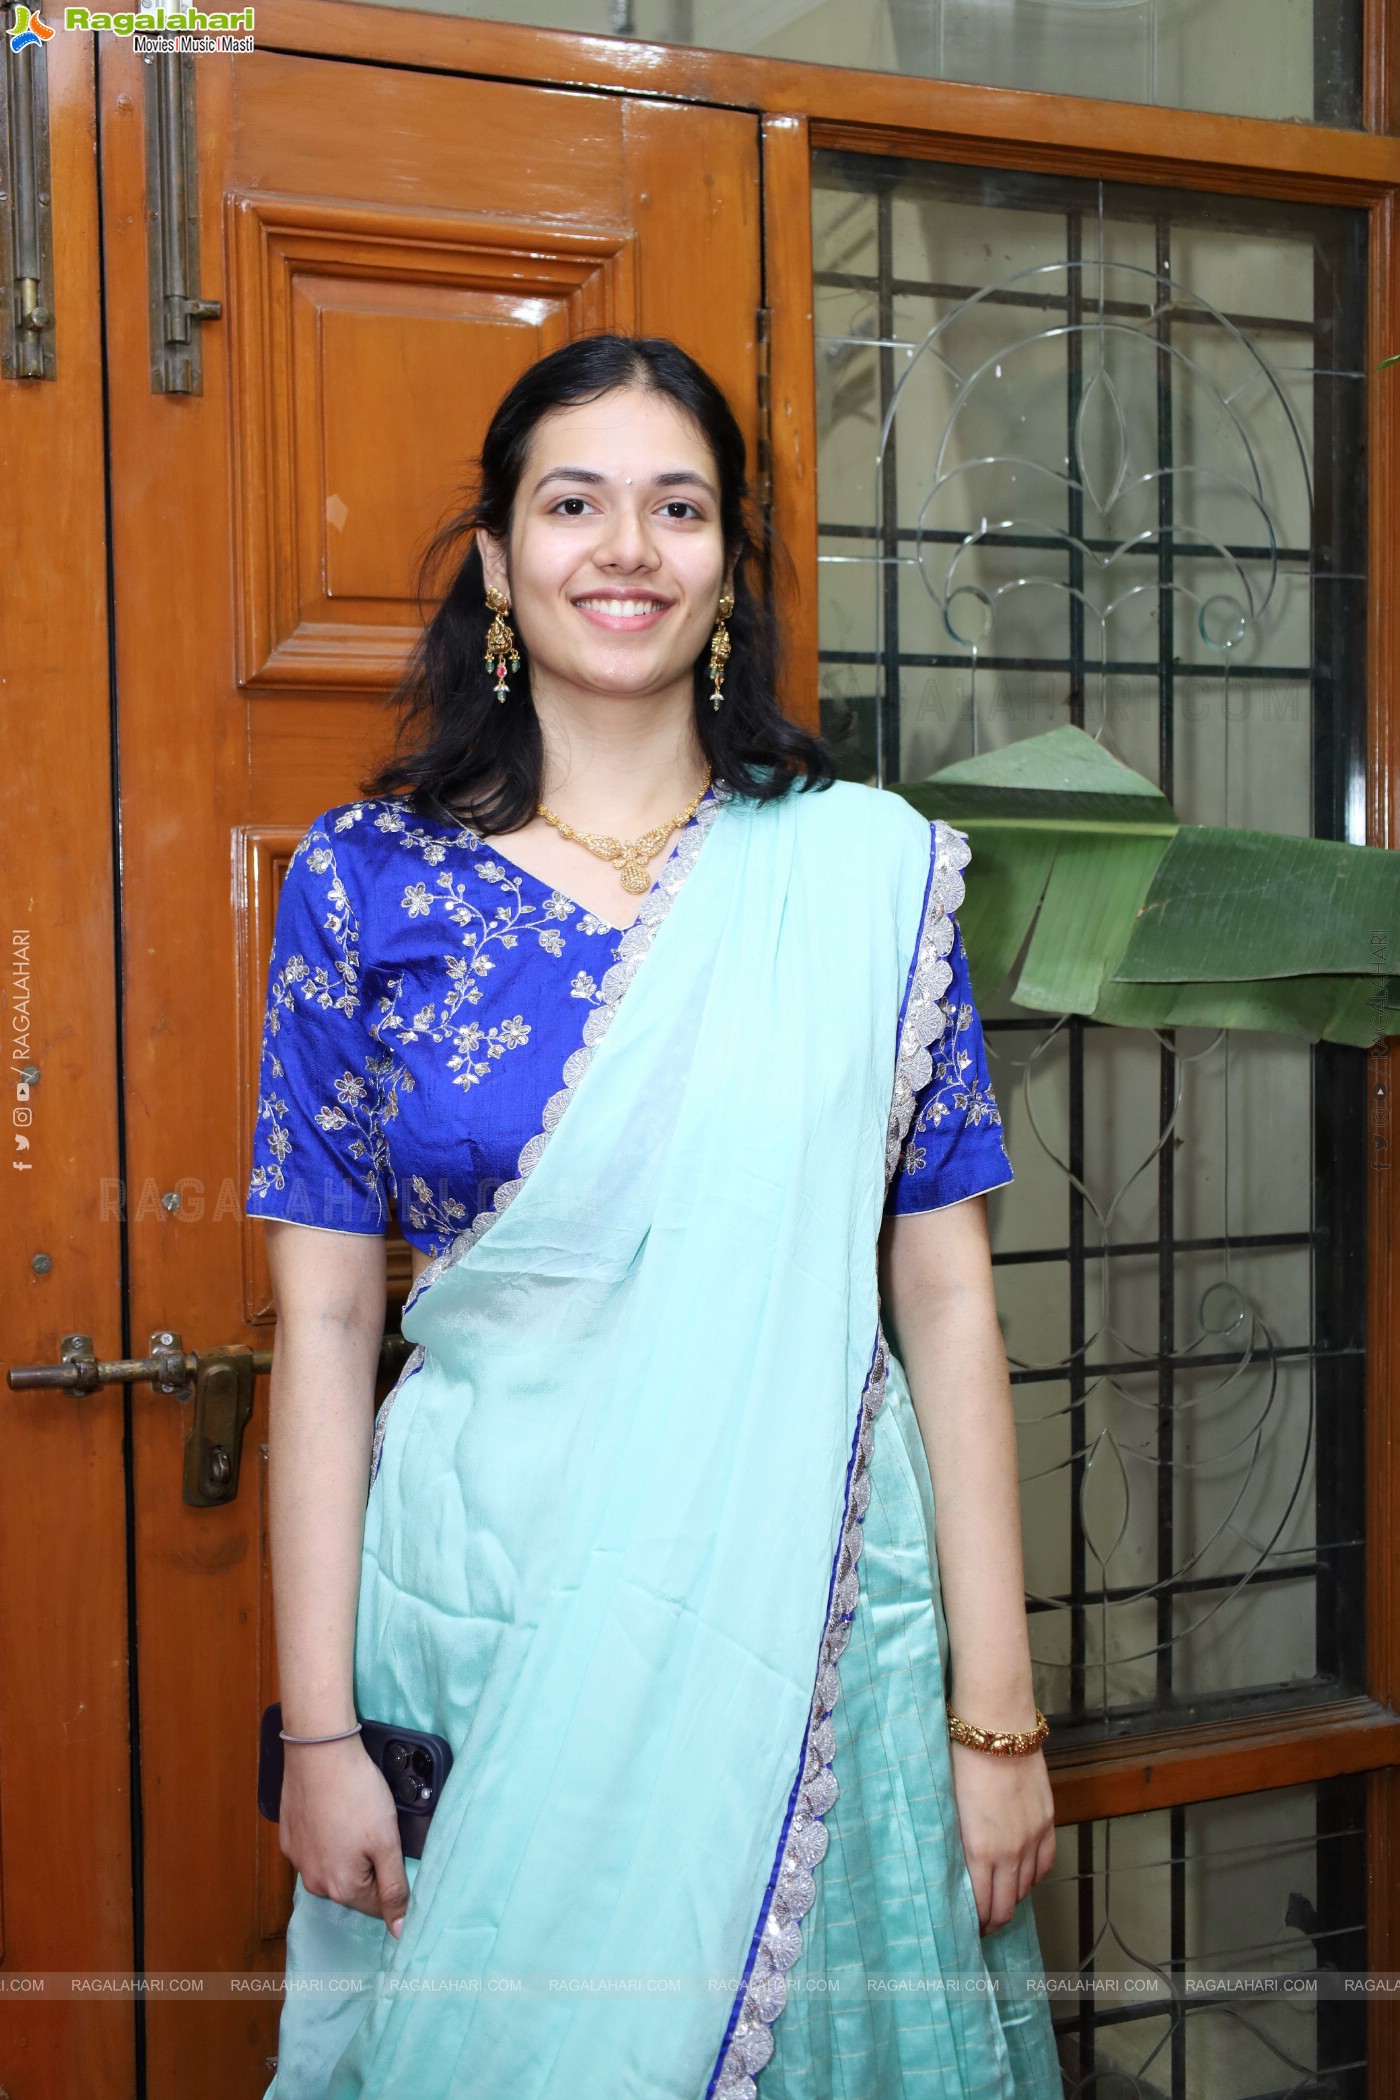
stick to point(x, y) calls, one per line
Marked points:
point(219, 1382)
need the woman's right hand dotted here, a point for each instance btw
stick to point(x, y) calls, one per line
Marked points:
point(340, 1829)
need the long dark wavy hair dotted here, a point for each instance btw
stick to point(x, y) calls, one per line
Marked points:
point(456, 745)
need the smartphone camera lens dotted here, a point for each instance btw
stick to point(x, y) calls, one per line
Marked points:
point(410, 1770)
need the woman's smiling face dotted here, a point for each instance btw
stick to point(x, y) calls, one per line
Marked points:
point(617, 557)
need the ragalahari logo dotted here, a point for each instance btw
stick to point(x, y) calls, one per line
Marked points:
point(28, 29)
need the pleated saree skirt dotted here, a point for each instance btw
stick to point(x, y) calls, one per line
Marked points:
point(895, 1994)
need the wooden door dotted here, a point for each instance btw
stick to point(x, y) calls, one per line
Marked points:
point(65, 1782)
point(389, 249)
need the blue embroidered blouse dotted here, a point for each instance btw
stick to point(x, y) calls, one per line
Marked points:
point(423, 995)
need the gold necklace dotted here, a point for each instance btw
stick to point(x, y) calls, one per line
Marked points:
point(629, 855)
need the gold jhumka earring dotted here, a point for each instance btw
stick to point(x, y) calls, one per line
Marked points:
point(500, 642)
point(719, 649)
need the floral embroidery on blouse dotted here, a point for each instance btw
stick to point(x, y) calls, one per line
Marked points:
point(436, 999)
point(420, 1014)
point(474, 1049)
point(955, 1085)
point(354, 1097)
point(963, 1149)
point(444, 1216)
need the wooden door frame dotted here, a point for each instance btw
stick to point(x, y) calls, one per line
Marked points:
point(802, 106)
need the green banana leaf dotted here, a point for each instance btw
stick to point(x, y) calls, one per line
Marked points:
point(1139, 920)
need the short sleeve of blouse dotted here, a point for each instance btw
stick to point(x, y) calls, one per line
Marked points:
point(319, 1155)
point(955, 1147)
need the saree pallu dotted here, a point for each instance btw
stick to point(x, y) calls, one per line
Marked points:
point(622, 1496)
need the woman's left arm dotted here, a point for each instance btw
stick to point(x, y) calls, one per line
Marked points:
point(940, 1313)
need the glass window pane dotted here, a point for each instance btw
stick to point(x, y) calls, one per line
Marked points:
point(1299, 59)
point(1168, 1938)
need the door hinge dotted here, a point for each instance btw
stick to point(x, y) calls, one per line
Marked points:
point(27, 347)
point(763, 465)
point(172, 229)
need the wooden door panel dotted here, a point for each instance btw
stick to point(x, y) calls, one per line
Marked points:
point(366, 344)
point(416, 141)
point(390, 250)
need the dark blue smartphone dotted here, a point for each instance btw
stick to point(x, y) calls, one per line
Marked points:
point(414, 1763)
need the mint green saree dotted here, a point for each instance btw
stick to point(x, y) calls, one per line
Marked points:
point(649, 1538)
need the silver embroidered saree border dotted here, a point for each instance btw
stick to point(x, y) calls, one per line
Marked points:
point(933, 973)
point(635, 942)
point(764, 1995)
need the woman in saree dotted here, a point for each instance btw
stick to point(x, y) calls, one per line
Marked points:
point(662, 1040)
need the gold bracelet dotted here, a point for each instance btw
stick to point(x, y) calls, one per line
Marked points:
point(1002, 1742)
